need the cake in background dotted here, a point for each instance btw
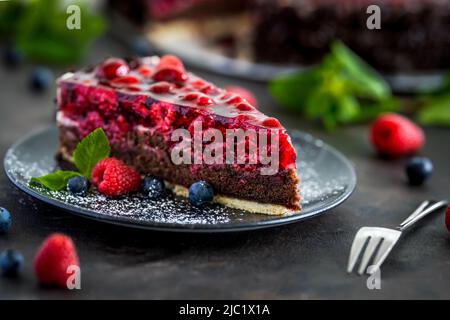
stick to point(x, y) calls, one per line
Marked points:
point(413, 37)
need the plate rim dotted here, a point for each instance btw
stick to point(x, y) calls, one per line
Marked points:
point(174, 227)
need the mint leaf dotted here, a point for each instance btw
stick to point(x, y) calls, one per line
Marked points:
point(55, 181)
point(436, 110)
point(90, 150)
point(342, 89)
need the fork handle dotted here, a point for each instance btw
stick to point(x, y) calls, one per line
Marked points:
point(414, 217)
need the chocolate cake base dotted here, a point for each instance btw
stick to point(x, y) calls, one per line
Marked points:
point(149, 154)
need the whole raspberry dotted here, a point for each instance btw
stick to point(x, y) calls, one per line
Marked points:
point(447, 218)
point(394, 135)
point(244, 93)
point(114, 178)
point(53, 259)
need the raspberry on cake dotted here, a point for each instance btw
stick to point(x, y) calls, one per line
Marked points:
point(141, 104)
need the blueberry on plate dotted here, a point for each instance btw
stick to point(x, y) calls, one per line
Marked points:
point(11, 263)
point(41, 78)
point(12, 57)
point(419, 169)
point(78, 186)
point(5, 220)
point(200, 192)
point(153, 187)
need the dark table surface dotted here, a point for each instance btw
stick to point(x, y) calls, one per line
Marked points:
point(304, 260)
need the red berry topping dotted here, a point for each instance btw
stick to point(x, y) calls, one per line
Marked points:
point(53, 259)
point(236, 99)
point(244, 106)
point(161, 87)
point(125, 80)
point(170, 69)
point(244, 93)
point(271, 122)
point(394, 135)
point(204, 101)
point(114, 178)
point(191, 96)
point(447, 218)
point(145, 71)
point(113, 68)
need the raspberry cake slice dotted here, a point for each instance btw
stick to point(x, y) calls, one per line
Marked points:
point(142, 104)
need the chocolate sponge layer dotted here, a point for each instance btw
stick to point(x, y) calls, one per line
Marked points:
point(149, 154)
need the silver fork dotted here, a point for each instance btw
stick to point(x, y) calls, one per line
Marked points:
point(387, 237)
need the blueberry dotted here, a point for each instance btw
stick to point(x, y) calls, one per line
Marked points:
point(11, 263)
point(154, 187)
point(5, 220)
point(12, 57)
point(418, 170)
point(200, 192)
point(41, 78)
point(141, 47)
point(78, 186)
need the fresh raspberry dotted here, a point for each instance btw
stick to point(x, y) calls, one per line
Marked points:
point(244, 93)
point(113, 68)
point(170, 69)
point(114, 178)
point(54, 257)
point(394, 135)
point(447, 218)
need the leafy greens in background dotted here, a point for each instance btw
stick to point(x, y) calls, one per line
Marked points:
point(436, 105)
point(88, 153)
point(38, 28)
point(342, 89)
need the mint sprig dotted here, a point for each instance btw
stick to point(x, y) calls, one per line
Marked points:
point(55, 181)
point(91, 150)
point(435, 105)
point(88, 153)
point(342, 89)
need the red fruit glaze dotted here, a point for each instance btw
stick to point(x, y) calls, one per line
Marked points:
point(54, 257)
point(244, 93)
point(394, 135)
point(170, 69)
point(160, 103)
point(114, 178)
point(113, 68)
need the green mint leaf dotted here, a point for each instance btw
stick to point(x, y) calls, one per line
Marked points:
point(55, 181)
point(90, 150)
point(436, 111)
point(366, 81)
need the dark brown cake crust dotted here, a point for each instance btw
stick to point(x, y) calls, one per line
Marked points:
point(150, 155)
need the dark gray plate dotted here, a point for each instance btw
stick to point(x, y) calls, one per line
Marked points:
point(327, 176)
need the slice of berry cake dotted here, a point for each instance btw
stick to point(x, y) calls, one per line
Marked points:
point(169, 123)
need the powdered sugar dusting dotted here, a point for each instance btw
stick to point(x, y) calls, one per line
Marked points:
point(324, 179)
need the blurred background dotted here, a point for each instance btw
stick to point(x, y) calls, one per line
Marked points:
point(332, 62)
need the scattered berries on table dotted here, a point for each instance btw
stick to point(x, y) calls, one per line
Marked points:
point(447, 218)
point(5, 220)
point(153, 187)
point(394, 135)
point(200, 192)
point(418, 170)
point(244, 93)
point(12, 57)
point(41, 78)
point(78, 186)
point(11, 263)
point(53, 259)
point(114, 178)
